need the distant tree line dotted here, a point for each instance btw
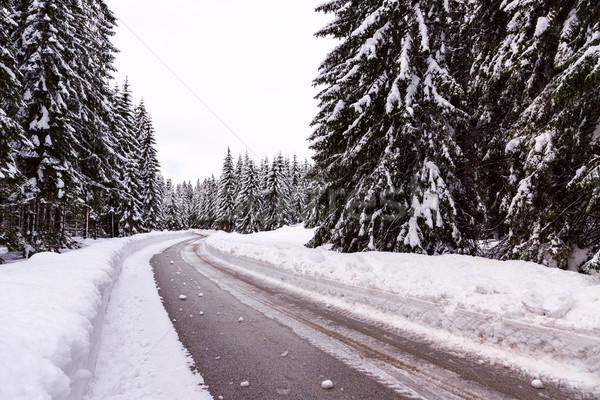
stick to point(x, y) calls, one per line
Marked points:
point(76, 157)
point(248, 197)
point(445, 123)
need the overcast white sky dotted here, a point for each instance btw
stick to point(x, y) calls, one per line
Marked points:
point(251, 62)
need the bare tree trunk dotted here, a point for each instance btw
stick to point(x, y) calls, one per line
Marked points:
point(86, 231)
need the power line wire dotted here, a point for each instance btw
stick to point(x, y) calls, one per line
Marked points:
point(126, 26)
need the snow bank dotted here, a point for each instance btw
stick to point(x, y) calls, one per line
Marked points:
point(545, 317)
point(140, 356)
point(51, 313)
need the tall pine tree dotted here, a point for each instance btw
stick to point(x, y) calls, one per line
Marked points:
point(149, 168)
point(227, 193)
point(172, 208)
point(248, 204)
point(45, 36)
point(130, 195)
point(11, 137)
point(92, 60)
point(277, 199)
point(553, 208)
point(386, 136)
point(12, 140)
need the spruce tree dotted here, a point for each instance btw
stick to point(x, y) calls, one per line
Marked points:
point(239, 172)
point(277, 196)
point(204, 204)
point(552, 207)
point(11, 136)
point(12, 140)
point(210, 202)
point(185, 196)
point(149, 168)
point(265, 168)
point(226, 199)
point(298, 189)
point(130, 196)
point(162, 191)
point(386, 136)
point(196, 200)
point(45, 35)
point(92, 60)
point(172, 208)
point(248, 204)
point(316, 200)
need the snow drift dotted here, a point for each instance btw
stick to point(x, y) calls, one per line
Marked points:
point(51, 314)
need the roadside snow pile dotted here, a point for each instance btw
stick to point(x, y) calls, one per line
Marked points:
point(52, 309)
point(516, 289)
point(140, 356)
point(541, 314)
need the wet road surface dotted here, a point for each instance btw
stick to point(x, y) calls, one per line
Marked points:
point(239, 329)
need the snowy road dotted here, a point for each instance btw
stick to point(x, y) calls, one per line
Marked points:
point(240, 328)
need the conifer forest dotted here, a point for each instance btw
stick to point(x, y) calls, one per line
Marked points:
point(444, 126)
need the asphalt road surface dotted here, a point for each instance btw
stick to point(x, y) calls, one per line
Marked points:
point(240, 329)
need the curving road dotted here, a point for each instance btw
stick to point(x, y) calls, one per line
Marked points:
point(240, 329)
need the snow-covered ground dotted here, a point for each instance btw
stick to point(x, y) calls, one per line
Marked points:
point(140, 356)
point(52, 311)
point(540, 319)
point(64, 338)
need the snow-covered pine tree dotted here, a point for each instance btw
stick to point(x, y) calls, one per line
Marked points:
point(248, 205)
point(130, 195)
point(205, 200)
point(11, 136)
point(210, 201)
point(162, 191)
point(277, 196)
point(239, 172)
point(195, 216)
point(265, 168)
point(185, 195)
point(297, 186)
point(512, 61)
point(306, 170)
point(115, 192)
point(149, 168)
point(316, 200)
point(92, 60)
point(491, 102)
point(385, 139)
point(12, 140)
point(44, 37)
point(226, 199)
point(553, 209)
point(172, 208)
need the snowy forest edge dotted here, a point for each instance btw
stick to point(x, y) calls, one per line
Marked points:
point(444, 127)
